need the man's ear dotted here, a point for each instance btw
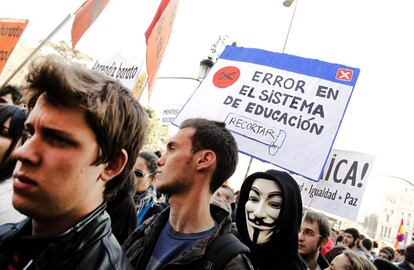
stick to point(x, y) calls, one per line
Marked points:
point(205, 159)
point(115, 167)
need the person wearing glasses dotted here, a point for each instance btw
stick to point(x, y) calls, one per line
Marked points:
point(313, 236)
point(11, 128)
point(145, 198)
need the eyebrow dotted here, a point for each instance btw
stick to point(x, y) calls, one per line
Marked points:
point(275, 193)
point(256, 190)
point(309, 230)
point(53, 131)
point(271, 194)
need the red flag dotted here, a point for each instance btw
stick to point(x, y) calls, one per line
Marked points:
point(157, 36)
point(400, 235)
point(11, 31)
point(85, 16)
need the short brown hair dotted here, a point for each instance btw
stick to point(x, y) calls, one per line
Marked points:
point(356, 262)
point(117, 119)
point(321, 220)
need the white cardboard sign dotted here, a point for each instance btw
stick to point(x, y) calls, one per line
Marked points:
point(342, 187)
point(282, 109)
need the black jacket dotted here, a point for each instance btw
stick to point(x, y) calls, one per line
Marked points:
point(281, 252)
point(89, 244)
point(405, 265)
point(140, 245)
point(322, 262)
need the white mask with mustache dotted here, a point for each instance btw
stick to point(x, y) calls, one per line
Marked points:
point(262, 209)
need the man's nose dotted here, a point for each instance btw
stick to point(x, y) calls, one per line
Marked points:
point(300, 235)
point(160, 161)
point(28, 153)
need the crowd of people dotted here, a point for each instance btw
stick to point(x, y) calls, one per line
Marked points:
point(77, 191)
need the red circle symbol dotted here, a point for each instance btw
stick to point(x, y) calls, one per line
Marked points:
point(226, 76)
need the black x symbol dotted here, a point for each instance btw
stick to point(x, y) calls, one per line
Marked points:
point(227, 76)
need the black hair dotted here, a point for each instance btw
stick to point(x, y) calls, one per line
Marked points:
point(354, 232)
point(335, 251)
point(121, 209)
point(367, 243)
point(17, 116)
point(409, 253)
point(339, 239)
point(13, 91)
point(150, 160)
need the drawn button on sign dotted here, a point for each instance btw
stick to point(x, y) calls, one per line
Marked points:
point(226, 76)
point(344, 74)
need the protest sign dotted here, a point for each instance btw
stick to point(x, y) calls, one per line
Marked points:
point(282, 109)
point(342, 187)
point(85, 17)
point(169, 113)
point(10, 32)
point(121, 67)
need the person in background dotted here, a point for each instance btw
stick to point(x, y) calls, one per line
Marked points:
point(399, 255)
point(349, 260)
point(11, 129)
point(375, 249)
point(331, 242)
point(227, 194)
point(121, 209)
point(197, 161)
point(76, 154)
point(145, 197)
point(10, 95)
point(268, 220)
point(386, 253)
point(339, 239)
point(234, 205)
point(408, 263)
point(381, 264)
point(335, 251)
point(366, 247)
point(351, 237)
point(313, 236)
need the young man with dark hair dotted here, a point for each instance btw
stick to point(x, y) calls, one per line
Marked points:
point(313, 236)
point(198, 159)
point(351, 236)
point(76, 155)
